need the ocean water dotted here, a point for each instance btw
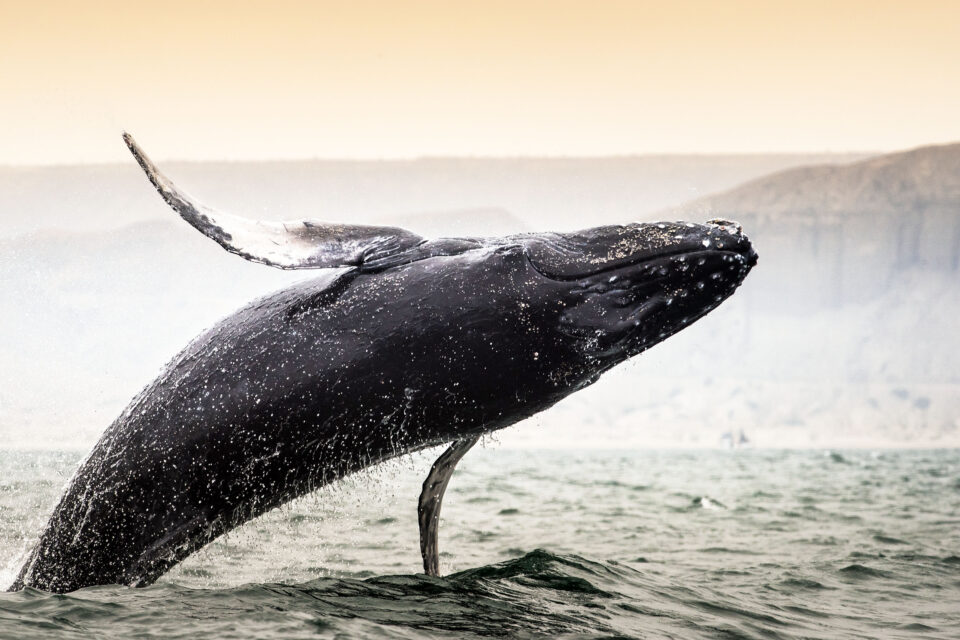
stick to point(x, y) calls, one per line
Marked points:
point(602, 544)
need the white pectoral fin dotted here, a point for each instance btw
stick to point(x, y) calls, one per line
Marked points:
point(297, 244)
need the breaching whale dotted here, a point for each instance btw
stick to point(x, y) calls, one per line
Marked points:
point(415, 343)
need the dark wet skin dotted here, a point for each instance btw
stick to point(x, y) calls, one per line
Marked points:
point(316, 382)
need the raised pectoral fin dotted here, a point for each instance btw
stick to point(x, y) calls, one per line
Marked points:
point(298, 244)
point(431, 498)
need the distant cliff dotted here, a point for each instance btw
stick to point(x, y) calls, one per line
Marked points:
point(842, 233)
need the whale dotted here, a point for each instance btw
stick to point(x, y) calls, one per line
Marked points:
point(403, 343)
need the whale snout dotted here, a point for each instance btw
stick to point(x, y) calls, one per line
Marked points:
point(728, 234)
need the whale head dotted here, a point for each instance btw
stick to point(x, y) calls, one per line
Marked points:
point(625, 288)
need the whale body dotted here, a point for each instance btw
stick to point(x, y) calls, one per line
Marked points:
point(415, 343)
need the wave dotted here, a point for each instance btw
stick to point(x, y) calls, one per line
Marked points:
point(540, 594)
point(537, 595)
point(820, 550)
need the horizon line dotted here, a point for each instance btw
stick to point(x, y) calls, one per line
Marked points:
point(477, 157)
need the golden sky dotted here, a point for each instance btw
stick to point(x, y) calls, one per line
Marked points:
point(280, 79)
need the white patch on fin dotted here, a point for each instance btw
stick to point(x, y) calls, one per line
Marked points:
point(296, 244)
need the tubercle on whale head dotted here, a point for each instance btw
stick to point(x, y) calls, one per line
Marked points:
point(629, 287)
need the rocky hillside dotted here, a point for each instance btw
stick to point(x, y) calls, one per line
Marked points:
point(847, 329)
point(927, 178)
point(833, 234)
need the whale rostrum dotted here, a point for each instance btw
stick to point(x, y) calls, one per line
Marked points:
point(414, 343)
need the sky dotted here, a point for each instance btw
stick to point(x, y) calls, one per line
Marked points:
point(211, 80)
